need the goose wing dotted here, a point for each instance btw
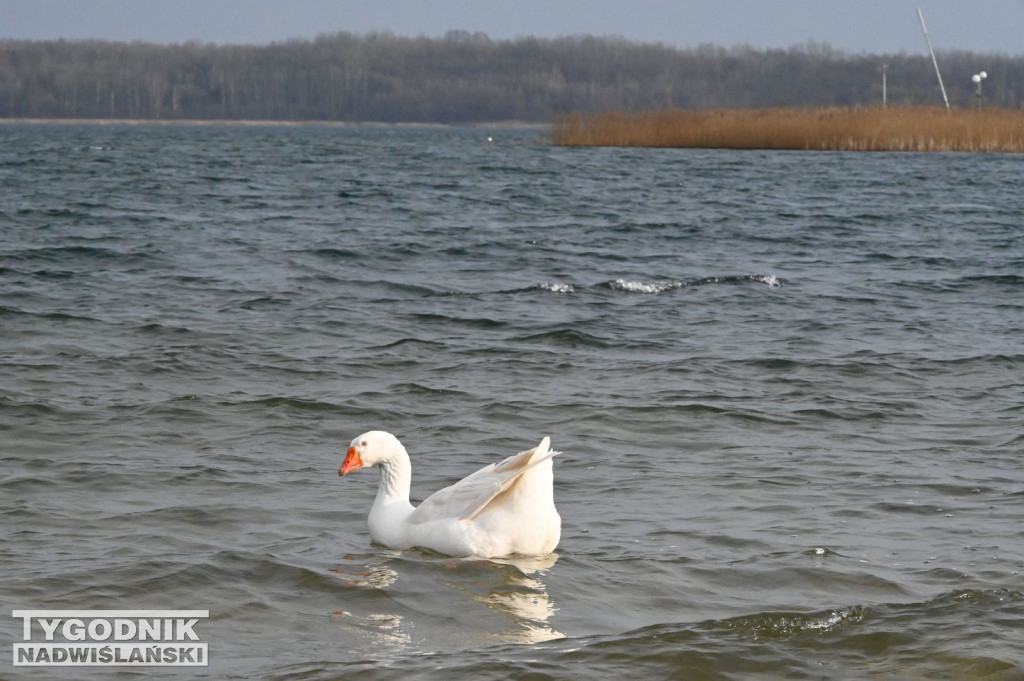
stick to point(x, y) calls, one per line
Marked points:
point(470, 496)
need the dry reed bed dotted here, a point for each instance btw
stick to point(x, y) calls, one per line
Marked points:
point(860, 129)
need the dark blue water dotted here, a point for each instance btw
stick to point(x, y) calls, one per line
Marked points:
point(788, 386)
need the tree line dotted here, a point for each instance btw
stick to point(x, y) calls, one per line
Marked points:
point(467, 77)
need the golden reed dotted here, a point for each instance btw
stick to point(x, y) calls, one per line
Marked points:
point(858, 129)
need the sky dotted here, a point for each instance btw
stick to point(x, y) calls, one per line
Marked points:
point(854, 26)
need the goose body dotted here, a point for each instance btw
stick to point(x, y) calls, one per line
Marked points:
point(502, 509)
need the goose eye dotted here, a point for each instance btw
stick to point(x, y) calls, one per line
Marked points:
point(363, 443)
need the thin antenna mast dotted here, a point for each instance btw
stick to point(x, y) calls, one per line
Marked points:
point(935, 63)
point(885, 98)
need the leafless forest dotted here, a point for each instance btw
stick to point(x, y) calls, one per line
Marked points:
point(466, 77)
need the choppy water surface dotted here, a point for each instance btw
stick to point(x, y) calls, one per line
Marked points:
point(788, 387)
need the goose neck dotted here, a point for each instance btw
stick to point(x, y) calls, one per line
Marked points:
point(395, 478)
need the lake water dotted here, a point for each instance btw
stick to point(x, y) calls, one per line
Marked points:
point(789, 389)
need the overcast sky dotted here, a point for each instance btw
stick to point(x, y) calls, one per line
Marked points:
point(857, 26)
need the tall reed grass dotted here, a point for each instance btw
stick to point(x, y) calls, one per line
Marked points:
point(859, 129)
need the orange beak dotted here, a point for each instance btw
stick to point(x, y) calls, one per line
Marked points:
point(352, 462)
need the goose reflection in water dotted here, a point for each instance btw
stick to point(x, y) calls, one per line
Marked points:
point(525, 597)
point(512, 588)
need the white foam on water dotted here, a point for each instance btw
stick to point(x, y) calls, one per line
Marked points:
point(558, 288)
point(659, 286)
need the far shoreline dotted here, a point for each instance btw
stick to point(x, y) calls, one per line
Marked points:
point(268, 123)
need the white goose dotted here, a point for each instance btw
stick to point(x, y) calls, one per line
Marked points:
point(502, 509)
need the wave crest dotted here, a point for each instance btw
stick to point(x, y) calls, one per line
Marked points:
point(663, 285)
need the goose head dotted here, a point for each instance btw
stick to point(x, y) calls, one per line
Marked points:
point(370, 449)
